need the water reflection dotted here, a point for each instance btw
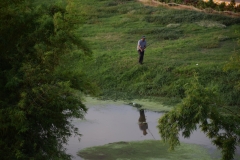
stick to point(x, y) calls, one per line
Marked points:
point(103, 123)
point(143, 126)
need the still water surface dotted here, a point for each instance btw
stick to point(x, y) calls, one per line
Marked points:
point(109, 123)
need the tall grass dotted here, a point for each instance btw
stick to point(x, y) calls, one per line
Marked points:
point(180, 42)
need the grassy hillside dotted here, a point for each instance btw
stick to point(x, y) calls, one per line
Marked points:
point(181, 42)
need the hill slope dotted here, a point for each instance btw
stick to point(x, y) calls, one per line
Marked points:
point(181, 43)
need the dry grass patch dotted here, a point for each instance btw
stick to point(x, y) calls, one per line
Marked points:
point(173, 25)
point(186, 7)
point(151, 2)
point(211, 24)
point(170, 5)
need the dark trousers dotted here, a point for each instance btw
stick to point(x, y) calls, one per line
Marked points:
point(141, 55)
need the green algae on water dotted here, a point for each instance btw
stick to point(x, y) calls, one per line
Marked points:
point(152, 105)
point(144, 150)
point(94, 101)
point(144, 103)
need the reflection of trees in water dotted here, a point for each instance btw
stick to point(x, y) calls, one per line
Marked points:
point(142, 122)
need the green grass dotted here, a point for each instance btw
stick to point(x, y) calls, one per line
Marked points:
point(113, 30)
point(145, 150)
point(178, 40)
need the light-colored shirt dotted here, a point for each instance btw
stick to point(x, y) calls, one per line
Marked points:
point(141, 43)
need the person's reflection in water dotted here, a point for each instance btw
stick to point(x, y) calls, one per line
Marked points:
point(142, 122)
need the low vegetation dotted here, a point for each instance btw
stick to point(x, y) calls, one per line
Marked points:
point(145, 150)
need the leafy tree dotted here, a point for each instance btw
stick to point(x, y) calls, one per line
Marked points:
point(211, 4)
point(231, 6)
point(40, 87)
point(205, 108)
point(222, 6)
point(201, 4)
point(237, 8)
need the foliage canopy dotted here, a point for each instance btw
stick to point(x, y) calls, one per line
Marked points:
point(39, 87)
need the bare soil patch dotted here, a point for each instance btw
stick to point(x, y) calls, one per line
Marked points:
point(186, 7)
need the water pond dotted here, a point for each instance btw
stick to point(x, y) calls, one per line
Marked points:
point(109, 122)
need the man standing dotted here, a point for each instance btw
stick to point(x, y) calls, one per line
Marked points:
point(142, 44)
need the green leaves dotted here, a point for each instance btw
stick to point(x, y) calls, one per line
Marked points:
point(38, 97)
point(201, 106)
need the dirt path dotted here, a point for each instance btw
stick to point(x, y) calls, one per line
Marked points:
point(186, 7)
